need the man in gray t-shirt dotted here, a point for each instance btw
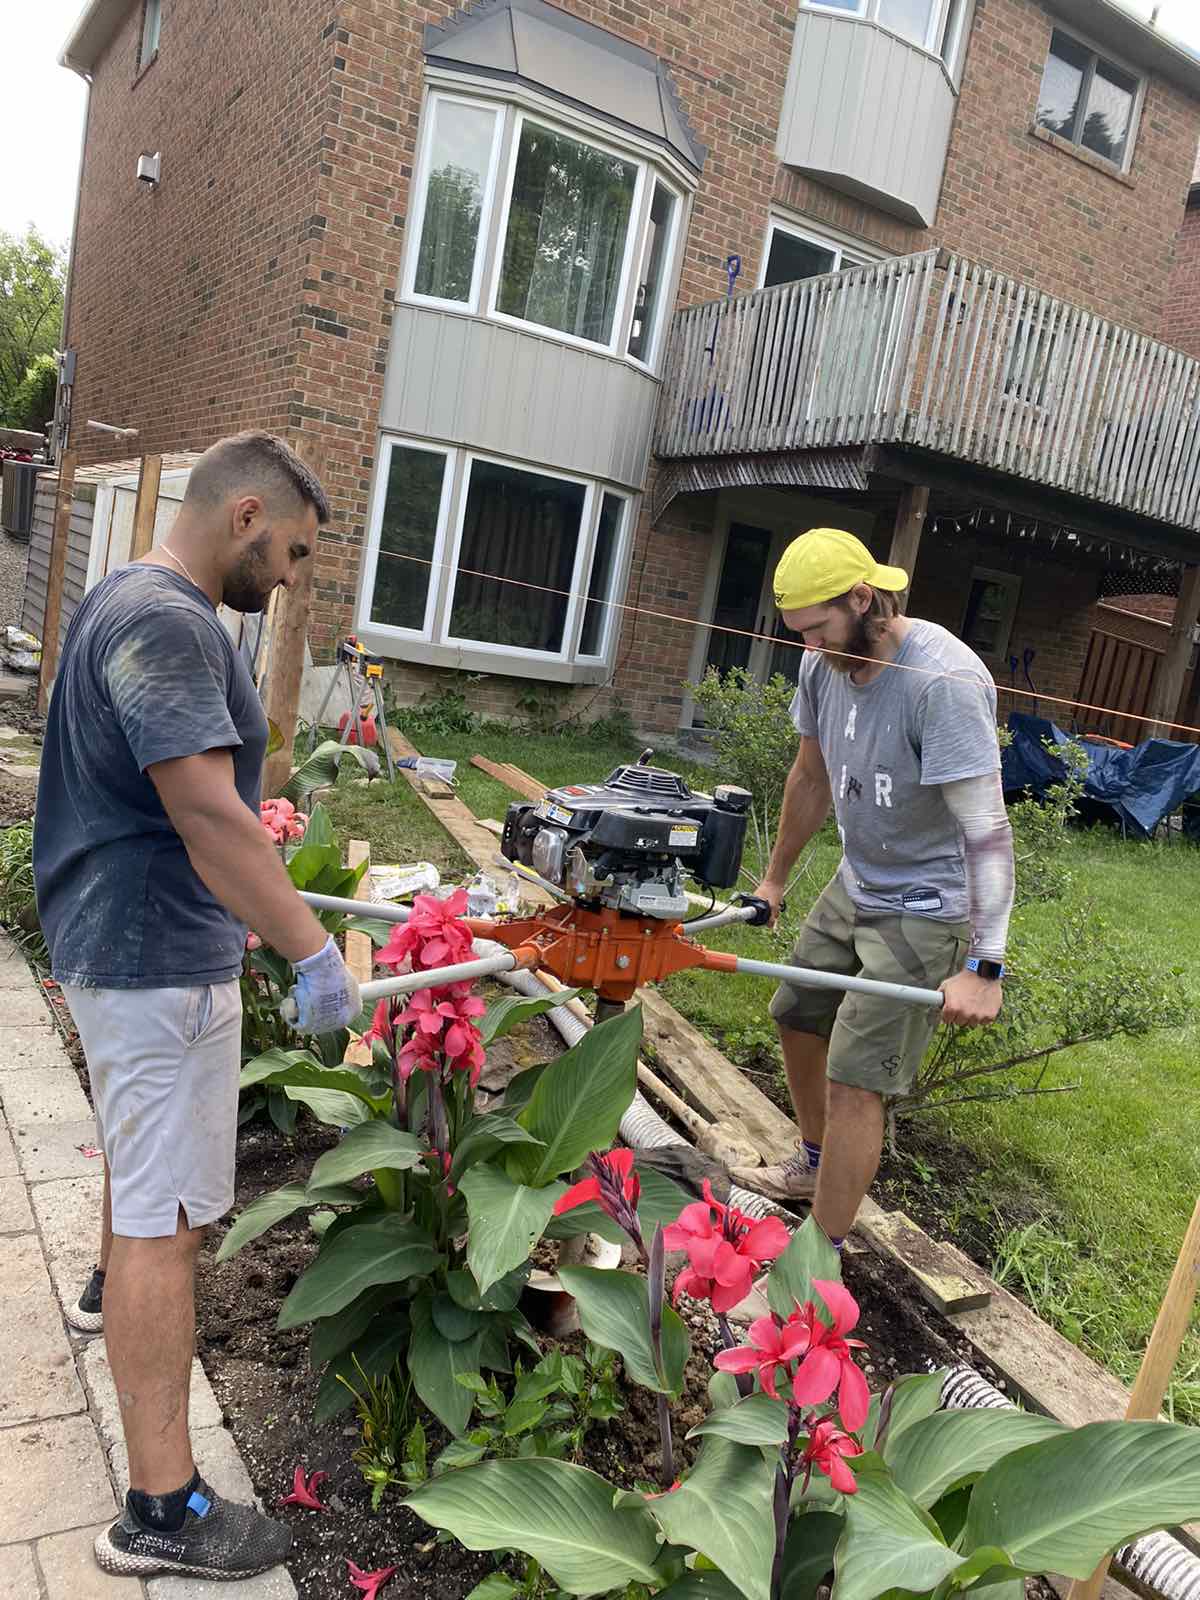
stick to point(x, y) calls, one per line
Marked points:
point(897, 726)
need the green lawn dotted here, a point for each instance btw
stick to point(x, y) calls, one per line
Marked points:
point(1084, 1195)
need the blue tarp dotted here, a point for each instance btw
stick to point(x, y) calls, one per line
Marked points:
point(1136, 788)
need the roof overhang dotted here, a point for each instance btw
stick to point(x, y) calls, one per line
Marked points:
point(1112, 25)
point(92, 34)
point(534, 43)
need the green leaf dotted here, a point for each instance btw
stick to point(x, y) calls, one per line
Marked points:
point(810, 1255)
point(494, 1587)
point(911, 1399)
point(722, 1391)
point(262, 1214)
point(949, 1447)
point(435, 1363)
point(375, 1351)
point(808, 1553)
point(331, 1106)
point(706, 1585)
point(310, 859)
point(299, 1069)
point(372, 1145)
point(483, 1138)
point(455, 1323)
point(506, 1221)
point(580, 1099)
point(1064, 1504)
point(723, 1509)
point(520, 1088)
point(390, 1250)
point(561, 1515)
point(510, 1012)
point(755, 1420)
point(334, 1334)
point(321, 769)
point(888, 1543)
point(320, 828)
point(614, 1311)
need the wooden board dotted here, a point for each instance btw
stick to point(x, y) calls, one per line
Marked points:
point(64, 498)
point(512, 777)
point(943, 1275)
point(360, 950)
point(287, 645)
point(145, 508)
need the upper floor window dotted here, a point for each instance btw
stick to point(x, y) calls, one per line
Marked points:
point(534, 224)
point(1088, 100)
point(793, 252)
point(151, 29)
point(935, 25)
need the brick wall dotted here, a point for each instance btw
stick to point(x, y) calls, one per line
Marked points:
point(1183, 309)
point(255, 287)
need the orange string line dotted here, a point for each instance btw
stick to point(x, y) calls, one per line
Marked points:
point(790, 644)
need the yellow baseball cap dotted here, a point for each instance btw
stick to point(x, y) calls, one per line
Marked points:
point(826, 562)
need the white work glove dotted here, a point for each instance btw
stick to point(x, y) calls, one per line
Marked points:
point(326, 993)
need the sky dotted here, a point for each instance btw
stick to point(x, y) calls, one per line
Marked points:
point(41, 110)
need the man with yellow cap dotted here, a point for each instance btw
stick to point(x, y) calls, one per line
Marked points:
point(897, 725)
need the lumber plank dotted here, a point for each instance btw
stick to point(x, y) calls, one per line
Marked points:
point(512, 777)
point(145, 509)
point(944, 1276)
point(360, 951)
point(287, 646)
point(64, 495)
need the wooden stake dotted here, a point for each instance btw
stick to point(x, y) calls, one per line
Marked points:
point(906, 536)
point(1154, 1374)
point(360, 951)
point(287, 647)
point(145, 508)
point(1168, 683)
point(64, 498)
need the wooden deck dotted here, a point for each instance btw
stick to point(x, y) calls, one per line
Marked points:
point(945, 354)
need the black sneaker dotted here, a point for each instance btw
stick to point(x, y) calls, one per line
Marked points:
point(219, 1539)
point(88, 1315)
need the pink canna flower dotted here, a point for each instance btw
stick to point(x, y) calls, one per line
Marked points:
point(370, 1582)
point(826, 1450)
point(304, 1490)
point(382, 1025)
point(771, 1350)
point(725, 1248)
point(827, 1364)
point(433, 936)
point(613, 1180)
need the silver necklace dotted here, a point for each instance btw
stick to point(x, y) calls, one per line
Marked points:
point(167, 551)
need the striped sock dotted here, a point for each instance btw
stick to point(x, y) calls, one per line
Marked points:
point(813, 1152)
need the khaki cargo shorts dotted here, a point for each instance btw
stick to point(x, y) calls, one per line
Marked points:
point(874, 1043)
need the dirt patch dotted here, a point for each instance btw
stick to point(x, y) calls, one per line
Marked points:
point(18, 796)
point(23, 714)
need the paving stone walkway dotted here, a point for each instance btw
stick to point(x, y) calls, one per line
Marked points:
point(62, 1458)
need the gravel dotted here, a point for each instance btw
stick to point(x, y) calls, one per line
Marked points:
point(13, 556)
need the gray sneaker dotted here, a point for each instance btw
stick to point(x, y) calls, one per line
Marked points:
point(219, 1539)
point(792, 1179)
point(87, 1314)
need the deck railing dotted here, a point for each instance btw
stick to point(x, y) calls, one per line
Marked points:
point(940, 352)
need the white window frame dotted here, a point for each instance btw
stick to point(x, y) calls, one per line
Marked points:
point(383, 460)
point(420, 191)
point(1010, 582)
point(1098, 53)
point(845, 255)
point(621, 555)
point(623, 310)
point(868, 11)
point(647, 363)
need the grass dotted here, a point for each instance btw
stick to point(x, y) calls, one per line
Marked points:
point(1085, 1196)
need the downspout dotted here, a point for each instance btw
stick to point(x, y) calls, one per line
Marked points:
point(62, 408)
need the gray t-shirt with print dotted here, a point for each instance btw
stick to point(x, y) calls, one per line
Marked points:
point(928, 718)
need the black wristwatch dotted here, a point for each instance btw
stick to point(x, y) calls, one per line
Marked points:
point(993, 971)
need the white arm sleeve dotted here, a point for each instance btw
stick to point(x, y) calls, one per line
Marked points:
point(977, 805)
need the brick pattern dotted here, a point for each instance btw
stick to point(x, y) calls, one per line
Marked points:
point(1183, 310)
point(255, 287)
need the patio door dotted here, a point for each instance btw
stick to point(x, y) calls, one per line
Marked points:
point(744, 623)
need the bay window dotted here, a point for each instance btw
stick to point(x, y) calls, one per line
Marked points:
point(511, 561)
point(933, 25)
point(577, 239)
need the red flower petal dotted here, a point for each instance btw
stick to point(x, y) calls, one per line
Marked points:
point(816, 1378)
point(841, 1303)
point(577, 1195)
point(854, 1398)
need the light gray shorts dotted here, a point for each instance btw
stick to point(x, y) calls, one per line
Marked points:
point(164, 1066)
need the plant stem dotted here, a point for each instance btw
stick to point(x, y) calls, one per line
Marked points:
point(744, 1380)
point(784, 1478)
point(668, 1443)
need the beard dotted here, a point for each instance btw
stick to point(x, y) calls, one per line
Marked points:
point(858, 643)
point(247, 588)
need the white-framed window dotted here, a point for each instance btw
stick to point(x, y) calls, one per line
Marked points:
point(469, 551)
point(1088, 99)
point(520, 218)
point(794, 250)
point(151, 31)
point(989, 612)
point(934, 25)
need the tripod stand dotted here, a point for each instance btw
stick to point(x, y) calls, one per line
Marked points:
point(362, 675)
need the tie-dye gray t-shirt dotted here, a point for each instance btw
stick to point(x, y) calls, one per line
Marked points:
point(148, 674)
point(928, 718)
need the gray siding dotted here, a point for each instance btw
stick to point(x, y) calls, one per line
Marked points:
point(867, 113)
point(78, 547)
point(462, 380)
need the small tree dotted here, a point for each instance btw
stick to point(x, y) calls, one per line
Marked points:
point(32, 277)
point(32, 404)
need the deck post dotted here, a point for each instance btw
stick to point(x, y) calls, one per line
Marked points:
point(1164, 700)
point(906, 535)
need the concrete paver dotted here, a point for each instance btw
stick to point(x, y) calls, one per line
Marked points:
point(22, 1007)
point(32, 1045)
point(15, 1214)
point(8, 1155)
point(15, 975)
point(52, 1478)
point(54, 1151)
point(68, 1214)
point(37, 1375)
point(71, 1573)
point(40, 1095)
point(17, 1574)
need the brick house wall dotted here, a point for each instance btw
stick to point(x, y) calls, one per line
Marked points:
point(281, 223)
point(1183, 310)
